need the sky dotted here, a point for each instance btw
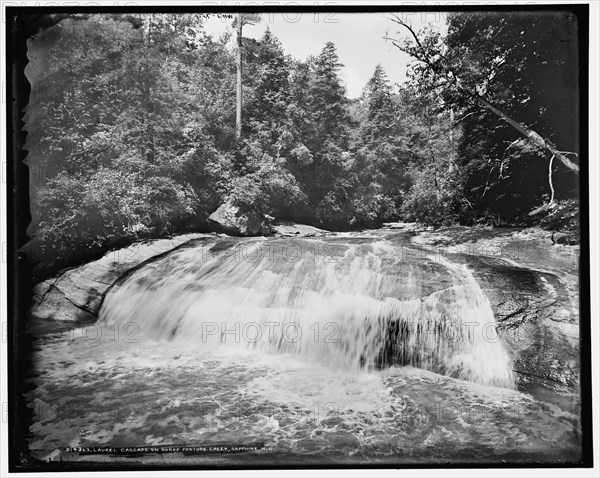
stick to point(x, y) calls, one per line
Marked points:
point(358, 38)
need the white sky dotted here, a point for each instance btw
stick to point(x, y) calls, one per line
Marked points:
point(358, 38)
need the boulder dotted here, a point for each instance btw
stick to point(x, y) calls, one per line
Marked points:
point(569, 238)
point(238, 221)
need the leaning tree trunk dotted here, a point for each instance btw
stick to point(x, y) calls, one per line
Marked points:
point(421, 54)
point(238, 104)
point(530, 134)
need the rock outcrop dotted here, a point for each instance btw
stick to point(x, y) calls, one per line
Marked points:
point(532, 283)
point(74, 297)
point(537, 321)
point(291, 229)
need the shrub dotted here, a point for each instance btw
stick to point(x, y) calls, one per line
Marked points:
point(73, 214)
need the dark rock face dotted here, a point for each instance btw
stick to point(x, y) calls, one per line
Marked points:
point(537, 322)
point(565, 238)
point(531, 279)
point(238, 221)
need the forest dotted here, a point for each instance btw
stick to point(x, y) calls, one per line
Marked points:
point(132, 129)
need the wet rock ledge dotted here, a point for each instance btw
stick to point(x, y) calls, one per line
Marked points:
point(74, 297)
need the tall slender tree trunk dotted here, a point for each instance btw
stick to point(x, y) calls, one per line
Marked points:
point(238, 109)
point(149, 119)
point(451, 165)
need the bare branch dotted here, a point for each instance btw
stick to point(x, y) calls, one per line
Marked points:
point(396, 19)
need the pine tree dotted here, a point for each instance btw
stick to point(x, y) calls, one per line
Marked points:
point(381, 105)
point(328, 99)
point(381, 152)
point(268, 109)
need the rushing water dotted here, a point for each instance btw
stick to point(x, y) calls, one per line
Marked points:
point(348, 348)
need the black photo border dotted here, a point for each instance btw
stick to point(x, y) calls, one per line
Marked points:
point(19, 284)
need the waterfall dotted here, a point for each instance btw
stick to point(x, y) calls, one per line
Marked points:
point(349, 306)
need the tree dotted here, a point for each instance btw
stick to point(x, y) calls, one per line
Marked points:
point(516, 66)
point(328, 101)
point(382, 108)
point(127, 151)
point(329, 126)
point(133, 123)
point(239, 22)
point(435, 192)
point(402, 141)
point(381, 159)
point(267, 109)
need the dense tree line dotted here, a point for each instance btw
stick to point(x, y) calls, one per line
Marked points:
point(136, 130)
point(513, 80)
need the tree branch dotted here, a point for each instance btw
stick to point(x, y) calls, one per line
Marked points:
point(550, 179)
point(396, 19)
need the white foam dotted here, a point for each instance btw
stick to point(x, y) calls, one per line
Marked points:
point(334, 313)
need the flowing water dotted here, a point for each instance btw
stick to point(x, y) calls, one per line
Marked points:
point(347, 348)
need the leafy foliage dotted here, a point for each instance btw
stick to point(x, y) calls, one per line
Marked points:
point(135, 129)
point(522, 63)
